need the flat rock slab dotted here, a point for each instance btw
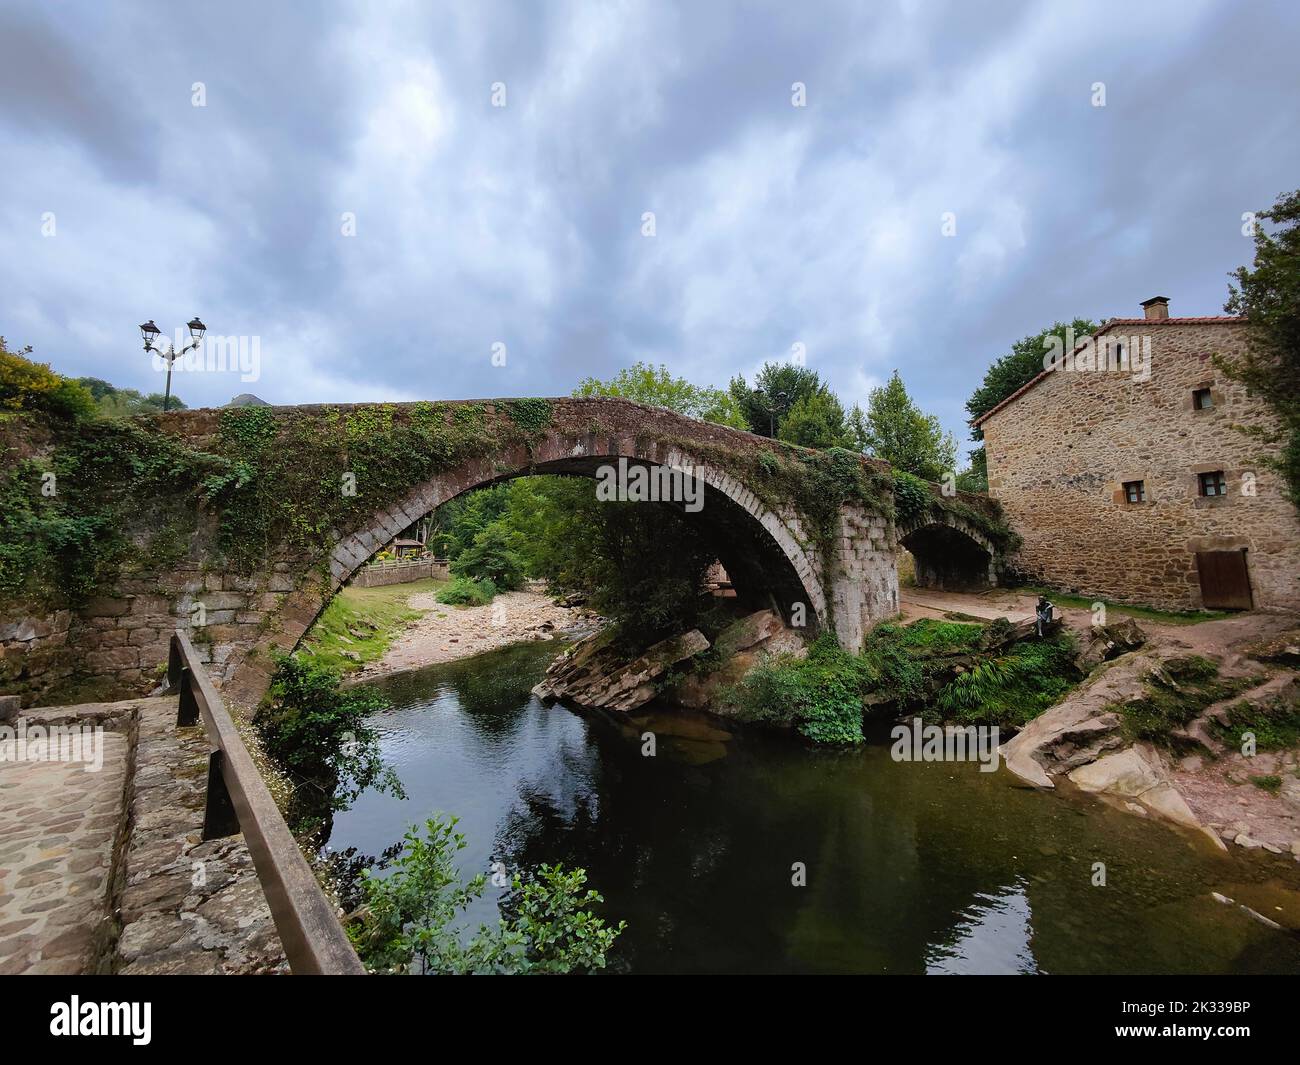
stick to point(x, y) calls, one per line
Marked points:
point(59, 824)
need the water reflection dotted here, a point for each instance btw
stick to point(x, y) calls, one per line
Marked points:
point(992, 939)
point(916, 867)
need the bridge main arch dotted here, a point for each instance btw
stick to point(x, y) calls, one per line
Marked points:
point(762, 554)
point(838, 576)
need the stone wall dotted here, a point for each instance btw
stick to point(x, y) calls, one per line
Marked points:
point(380, 575)
point(1059, 454)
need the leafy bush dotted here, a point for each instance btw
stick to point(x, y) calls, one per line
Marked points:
point(820, 695)
point(35, 388)
point(410, 916)
point(900, 667)
point(912, 496)
point(905, 659)
point(320, 737)
point(462, 591)
point(491, 559)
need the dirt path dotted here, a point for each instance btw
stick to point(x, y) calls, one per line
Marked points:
point(1217, 637)
point(447, 633)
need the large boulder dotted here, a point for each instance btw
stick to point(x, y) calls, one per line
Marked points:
point(594, 673)
point(740, 646)
point(1110, 641)
point(1080, 729)
point(1139, 774)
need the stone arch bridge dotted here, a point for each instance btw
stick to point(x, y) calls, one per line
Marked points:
point(809, 533)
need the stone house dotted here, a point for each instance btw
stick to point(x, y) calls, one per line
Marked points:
point(1124, 468)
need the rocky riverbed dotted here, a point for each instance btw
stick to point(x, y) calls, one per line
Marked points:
point(446, 633)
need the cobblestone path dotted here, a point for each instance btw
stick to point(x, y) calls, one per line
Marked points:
point(59, 823)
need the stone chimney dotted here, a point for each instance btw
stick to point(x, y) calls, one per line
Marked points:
point(1156, 307)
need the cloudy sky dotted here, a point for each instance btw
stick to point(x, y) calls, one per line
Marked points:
point(523, 225)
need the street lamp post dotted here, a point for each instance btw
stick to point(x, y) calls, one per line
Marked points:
point(150, 333)
point(780, 401)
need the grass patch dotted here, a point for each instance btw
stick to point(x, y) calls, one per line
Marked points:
point(928, 636)
point(1274, 724)
point(1013, 688)
point(1269, 782)
point(1175, 695)
point(465, 591)
point(824, 696)
point(360, 624)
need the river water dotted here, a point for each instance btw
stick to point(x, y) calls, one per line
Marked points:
point(910, 867)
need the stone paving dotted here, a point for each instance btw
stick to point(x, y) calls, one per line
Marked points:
point(107, 871)
point(59, 825)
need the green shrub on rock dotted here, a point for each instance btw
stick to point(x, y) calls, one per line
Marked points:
point(820, 696)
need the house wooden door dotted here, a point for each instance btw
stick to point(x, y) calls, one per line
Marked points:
point(1225, 581)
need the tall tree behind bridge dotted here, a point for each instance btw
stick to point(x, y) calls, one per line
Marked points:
point(654, 385)
point(897, 430)
point(1268, 294)
point(779, 387)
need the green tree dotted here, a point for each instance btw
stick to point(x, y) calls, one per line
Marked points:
point(896, 430)
point(816, 420)
point(1011, 372)
point(1268, 294)
point(656, 387)
point(458, 521)
point(778, 388)
point(34, 388)
point(975, 478)
point(114, 402)
point(640, 564)
point(319, 735)
point(492, 557)
point(409, 920)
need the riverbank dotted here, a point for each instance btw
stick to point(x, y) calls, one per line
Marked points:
point(1198, 726)
point(441, 633)
point(370, 632)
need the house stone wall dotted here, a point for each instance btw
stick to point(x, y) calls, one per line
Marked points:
point(1059, 454)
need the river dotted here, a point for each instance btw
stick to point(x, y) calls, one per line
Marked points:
point(910, 867)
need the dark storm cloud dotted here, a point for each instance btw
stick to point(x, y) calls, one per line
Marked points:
point(521, 225)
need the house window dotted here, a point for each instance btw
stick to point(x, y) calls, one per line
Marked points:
point(1202, 399)
point(1213, 484)
point(1135, 491)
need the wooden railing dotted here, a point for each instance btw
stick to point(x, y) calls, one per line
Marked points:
point(239, 801)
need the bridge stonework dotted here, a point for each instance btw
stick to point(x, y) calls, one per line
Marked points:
point(950, 552)
point(841, 580)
